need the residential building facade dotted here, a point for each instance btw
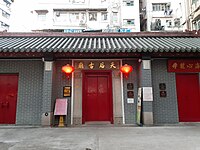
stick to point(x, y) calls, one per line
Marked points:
point(192, 13)
point(86, 15)
point(162, 15)
point(5, 13)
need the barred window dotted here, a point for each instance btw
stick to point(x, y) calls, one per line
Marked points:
point(159, 6)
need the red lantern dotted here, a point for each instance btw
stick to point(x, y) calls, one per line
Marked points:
point(68, 69)
point(126, 69)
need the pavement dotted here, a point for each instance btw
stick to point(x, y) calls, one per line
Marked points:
point(181, 137)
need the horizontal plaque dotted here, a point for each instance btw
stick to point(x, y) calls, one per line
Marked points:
point(183, 65)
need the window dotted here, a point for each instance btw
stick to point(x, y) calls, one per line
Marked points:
point(41, 14)
point(158, 22)
point(104, 16)
point(74, 17)
point(127, 22)
point(78, 1)
point(159, 6)
point(61, 16)
point(42, 17)
point(115, 18)
point(177, 22)
point(93, 16)
point(157, 25)
point(169, 23)
point(128, 2)
point(194, 1)
point(82, 18)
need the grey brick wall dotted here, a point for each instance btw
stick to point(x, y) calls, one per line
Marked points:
point(146, 77)
point(130, 109)
point(59, 81)
point(145, 80)
point(165, 110)
point(29, 101)
point(47, 91)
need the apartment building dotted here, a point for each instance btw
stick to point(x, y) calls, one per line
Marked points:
point(162, 15)
point(192, 13)
point(87, 15)
point(5, 12)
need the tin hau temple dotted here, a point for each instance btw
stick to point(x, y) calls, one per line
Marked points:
point(116, 78)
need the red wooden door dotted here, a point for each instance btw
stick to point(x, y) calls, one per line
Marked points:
point(8, 98)
point(188, 95)
point(97, 97)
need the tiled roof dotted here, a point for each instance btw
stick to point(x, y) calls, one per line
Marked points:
point(99, 44)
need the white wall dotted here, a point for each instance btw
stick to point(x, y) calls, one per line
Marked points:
point(131, 12)
point(111, 6)
point(21, 19)
point(3, 19)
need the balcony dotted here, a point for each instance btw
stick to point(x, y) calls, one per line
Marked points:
point(162, 14)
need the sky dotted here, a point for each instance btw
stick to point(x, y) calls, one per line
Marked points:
point(21, 15)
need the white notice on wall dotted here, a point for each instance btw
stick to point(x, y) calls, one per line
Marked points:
point(130, 100)
point(147, 94)
point(146, 64)
point(48, 66)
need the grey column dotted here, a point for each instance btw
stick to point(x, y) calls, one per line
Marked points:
point(47, 93)
point(145, 82)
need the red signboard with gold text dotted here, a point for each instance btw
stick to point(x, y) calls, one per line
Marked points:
point(184, 65)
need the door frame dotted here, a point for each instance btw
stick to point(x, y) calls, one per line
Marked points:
point(97, 72)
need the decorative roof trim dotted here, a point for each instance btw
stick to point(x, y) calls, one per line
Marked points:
point(101, 34)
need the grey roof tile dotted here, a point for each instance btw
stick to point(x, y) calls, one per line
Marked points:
point(99, 44)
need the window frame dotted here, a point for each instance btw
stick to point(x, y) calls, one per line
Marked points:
point(41, 17)
point(104, 15)
point(128, 2)
point(92, 16)
point(159, 7)
point(128, 22)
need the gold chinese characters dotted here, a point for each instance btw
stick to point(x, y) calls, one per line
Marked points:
point(97, 65)
point(183, 65)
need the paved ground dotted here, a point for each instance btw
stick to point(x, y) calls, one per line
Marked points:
point(101, 138)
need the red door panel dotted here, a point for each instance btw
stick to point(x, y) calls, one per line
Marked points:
point(188, 97)
point(103, 99)
point(97, 97)
point(8, 98)
point(91, 102)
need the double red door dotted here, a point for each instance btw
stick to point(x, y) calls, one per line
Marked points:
point(188, 95)
point(8, 98)
point(97, 97)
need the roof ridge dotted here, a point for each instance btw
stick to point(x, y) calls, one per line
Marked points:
point(100, 34)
